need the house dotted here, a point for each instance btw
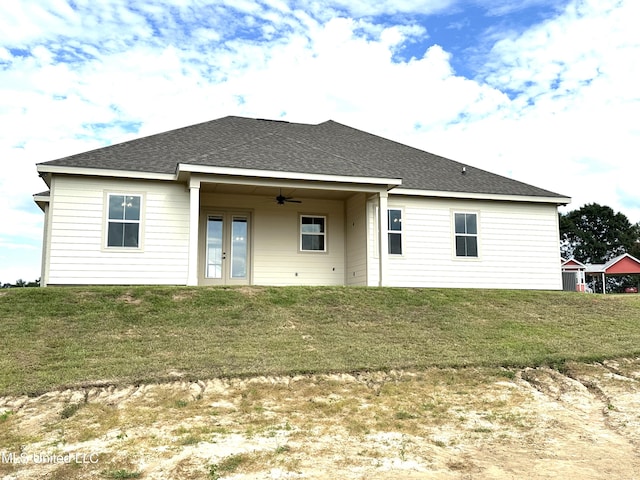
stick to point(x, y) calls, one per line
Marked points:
point(249, 201)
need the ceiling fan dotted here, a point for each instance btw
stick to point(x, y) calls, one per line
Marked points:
point(281, 199)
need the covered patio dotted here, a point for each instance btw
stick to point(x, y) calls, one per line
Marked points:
point(624, 264)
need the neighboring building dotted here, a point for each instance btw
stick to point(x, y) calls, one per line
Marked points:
point(573, 275)
point(245, 201)
point(624, 264)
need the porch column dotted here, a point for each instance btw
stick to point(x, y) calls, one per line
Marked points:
point(194, 220)
point(46, 241)
point(383, 239)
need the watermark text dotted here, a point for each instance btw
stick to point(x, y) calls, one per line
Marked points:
point(42, 458)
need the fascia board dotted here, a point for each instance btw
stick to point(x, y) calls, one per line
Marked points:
point(101, 172)
point(481, 196)
point(315, 177)
point(41, 200)
point(202, 179)
point(595, 268)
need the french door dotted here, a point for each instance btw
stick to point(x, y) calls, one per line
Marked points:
point(227, 248)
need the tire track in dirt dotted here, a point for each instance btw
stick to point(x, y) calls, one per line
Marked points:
point(579, 423)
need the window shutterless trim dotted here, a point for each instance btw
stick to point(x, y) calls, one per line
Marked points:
point(395, 230)
point(466, 238)
point(113, 219)
point(322, 234)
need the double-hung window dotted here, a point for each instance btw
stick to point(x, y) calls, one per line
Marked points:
point(313, 233)
point(394, 231)
point(466, 233)
point(123, 220)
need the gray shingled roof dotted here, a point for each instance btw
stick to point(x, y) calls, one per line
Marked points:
point(327, 148)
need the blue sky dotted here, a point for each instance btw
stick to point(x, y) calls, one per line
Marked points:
point(543, 91)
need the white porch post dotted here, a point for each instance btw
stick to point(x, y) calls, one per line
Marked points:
point(194, 219)
point(46, 239)
point(383, 239)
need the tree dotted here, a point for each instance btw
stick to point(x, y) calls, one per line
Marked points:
point(635, 249)
point(596, 234)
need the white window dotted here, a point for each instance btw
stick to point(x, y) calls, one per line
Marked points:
point(123, 220)
point(466, 234)
point(394, 231)
point(313, 233)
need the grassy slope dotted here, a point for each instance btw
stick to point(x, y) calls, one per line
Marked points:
point(67, 336)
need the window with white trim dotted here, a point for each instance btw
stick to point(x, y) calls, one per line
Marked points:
point(394, 231)
point(313, 233)
point(466, 234)
point(123, 220)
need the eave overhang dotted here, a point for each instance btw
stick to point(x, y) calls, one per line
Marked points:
point(45, 170)
point(185, 171)
point(481, 196)
point(42, 199)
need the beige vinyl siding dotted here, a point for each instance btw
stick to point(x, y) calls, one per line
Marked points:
point(78, 254)
point(518, 245)
point(356, 240)
point(276, 256)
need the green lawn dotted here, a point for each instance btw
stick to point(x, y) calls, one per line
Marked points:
point(55, 337)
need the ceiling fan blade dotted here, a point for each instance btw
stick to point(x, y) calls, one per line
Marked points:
point(281, 199)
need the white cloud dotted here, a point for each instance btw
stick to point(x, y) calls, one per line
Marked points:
point(573, 82)
point(360, 8)
point(503, 7)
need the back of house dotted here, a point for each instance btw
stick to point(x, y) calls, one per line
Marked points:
point(246, 201)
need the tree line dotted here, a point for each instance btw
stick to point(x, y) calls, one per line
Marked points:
point(21, 283)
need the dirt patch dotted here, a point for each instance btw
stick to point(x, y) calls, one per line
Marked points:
point(581, 423)
point(183, 295)
point(251, 291)
point(128, 298)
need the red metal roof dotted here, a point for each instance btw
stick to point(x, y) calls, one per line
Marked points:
point(624, 265)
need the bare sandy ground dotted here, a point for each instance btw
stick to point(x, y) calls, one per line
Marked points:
point(581, 423)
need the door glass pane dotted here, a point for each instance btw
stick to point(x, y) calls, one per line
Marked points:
point(214, 247)
point(239, 243)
